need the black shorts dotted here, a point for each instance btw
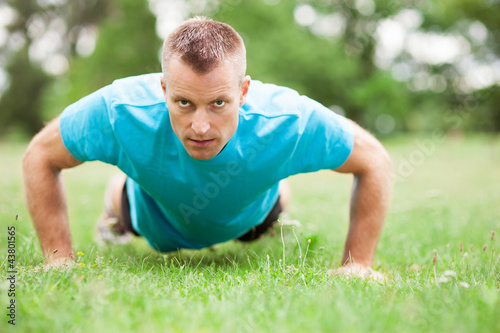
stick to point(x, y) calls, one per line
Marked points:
point(126, 220)
point(262, 228)
point(251, 235)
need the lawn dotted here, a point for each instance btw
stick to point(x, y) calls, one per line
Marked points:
point(436, 250)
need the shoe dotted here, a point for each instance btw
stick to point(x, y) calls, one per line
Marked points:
point(109, 231)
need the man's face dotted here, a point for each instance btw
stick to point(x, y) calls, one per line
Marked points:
point(203, 108)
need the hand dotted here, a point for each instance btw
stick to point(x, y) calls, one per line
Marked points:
point(353, 270)
point(56, 263)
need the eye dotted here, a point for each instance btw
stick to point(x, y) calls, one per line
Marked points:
point(219, 104)
point(183, 103)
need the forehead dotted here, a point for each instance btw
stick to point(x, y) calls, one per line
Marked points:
point(181, 78)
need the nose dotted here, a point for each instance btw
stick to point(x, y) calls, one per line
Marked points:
point(201, 123)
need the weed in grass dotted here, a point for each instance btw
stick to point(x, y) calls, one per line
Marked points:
point(305, 255)
point(300, 249)
point(281, 222)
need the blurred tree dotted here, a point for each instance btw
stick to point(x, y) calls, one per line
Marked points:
point(324, 49)
point(20, 103)
point(469, 18)
point(333, 69)
point(127, 45)
point(442, 87)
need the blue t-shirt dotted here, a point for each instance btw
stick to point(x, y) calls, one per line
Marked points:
point(180, 202)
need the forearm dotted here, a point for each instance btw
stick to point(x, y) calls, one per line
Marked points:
point(47, 206)
point(369, 205)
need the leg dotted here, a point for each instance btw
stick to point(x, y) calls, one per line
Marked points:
point(113, 196)
point(285, 199)
point(278, 210)
point(285, 194)
point(112, 227)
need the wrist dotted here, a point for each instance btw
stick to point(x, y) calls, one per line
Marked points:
point(58, 256)
point(356, 261)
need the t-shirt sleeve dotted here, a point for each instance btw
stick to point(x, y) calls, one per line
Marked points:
point(86, 129)
point(325, 139)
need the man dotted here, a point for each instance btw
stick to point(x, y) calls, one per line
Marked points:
point(204, 149)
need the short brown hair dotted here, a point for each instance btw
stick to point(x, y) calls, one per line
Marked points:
point(203, 44)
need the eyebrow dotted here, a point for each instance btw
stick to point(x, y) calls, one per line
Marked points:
point(218, 98)
point(222, 98)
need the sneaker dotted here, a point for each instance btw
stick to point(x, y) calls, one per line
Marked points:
point(109, 231)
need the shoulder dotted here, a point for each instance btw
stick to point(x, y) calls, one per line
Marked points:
point(272, 105)
point(270, 100)
point(141, 90)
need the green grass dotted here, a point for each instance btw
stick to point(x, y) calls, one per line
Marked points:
point(451, 197)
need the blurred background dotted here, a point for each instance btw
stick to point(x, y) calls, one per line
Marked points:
point(393, 66)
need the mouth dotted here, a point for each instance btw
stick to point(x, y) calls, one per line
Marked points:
point(201, 143)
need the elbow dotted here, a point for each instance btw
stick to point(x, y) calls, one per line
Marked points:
point(46, 154)
point(384, 166)
point(31, 160)
point(386, 162)
point(380, 166)
point(34, 158)
point(28, 157)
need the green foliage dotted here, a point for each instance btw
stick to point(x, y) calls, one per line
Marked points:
point(338, 70)
point(21, 103)
point(381, 94)
point(456, 17)
point(327, 70)
point(127, 46)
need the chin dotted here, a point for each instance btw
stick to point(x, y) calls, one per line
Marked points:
point(202, 155)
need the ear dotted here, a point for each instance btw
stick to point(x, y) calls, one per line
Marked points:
point(163, 85)
point(244, 89)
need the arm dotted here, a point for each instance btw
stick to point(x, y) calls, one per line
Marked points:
point(43, 161)
point(372, 169)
